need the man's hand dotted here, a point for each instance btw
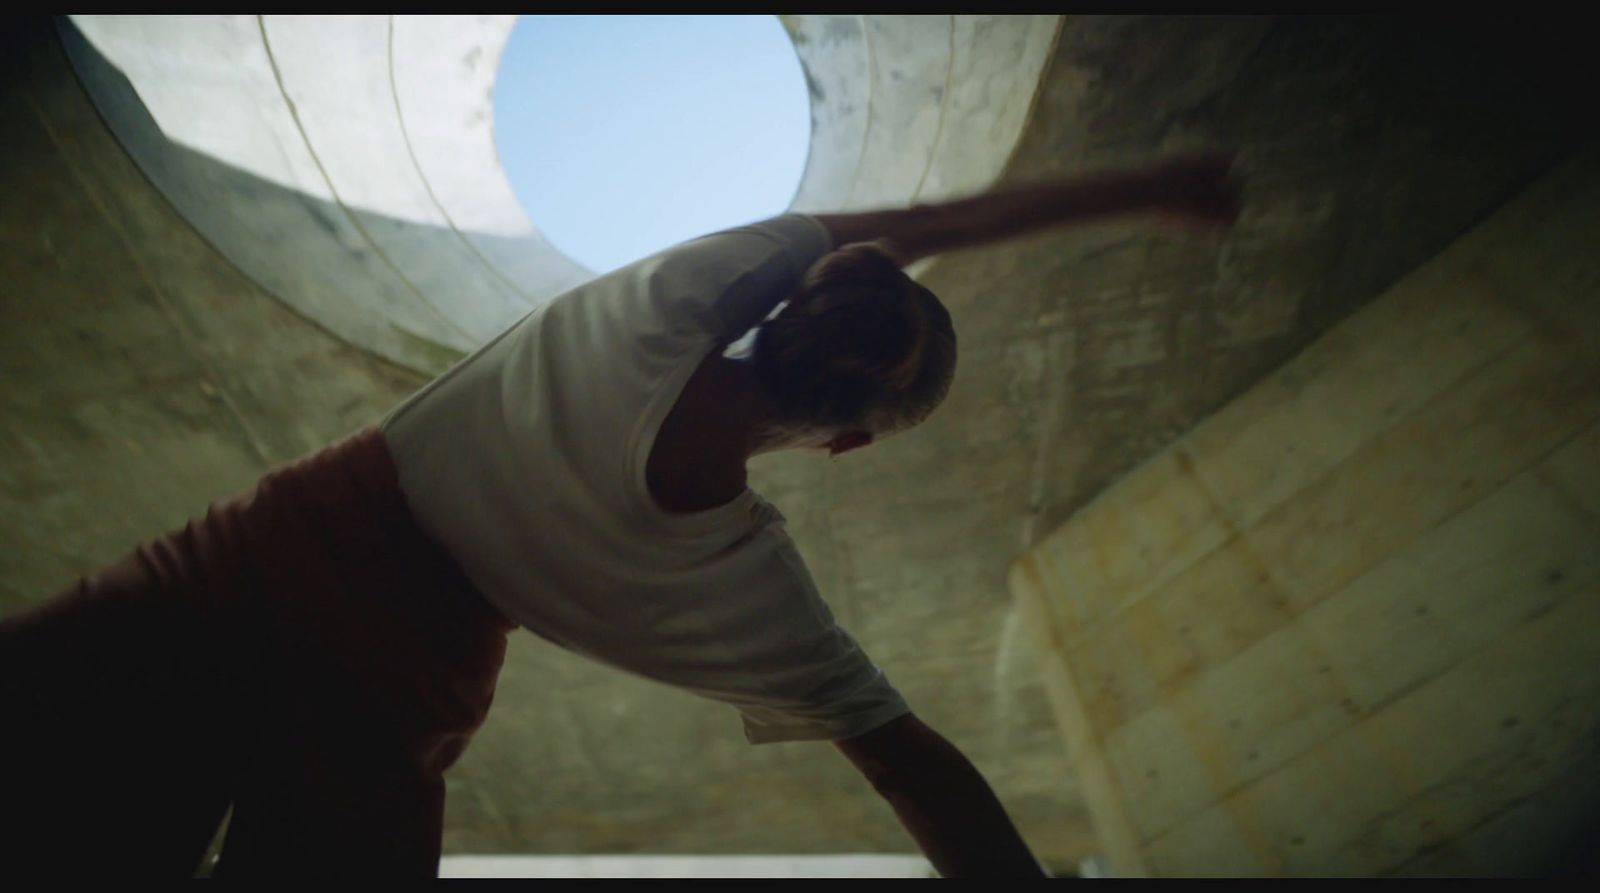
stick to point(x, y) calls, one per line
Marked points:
point(1199, 193)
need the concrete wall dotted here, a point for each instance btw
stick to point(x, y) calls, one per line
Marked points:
point(1350, 624)
point(347, 163)
point(143, 375)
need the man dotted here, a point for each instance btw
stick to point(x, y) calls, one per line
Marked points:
point(318, 651)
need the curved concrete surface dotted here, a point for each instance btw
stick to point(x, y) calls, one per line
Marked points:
point(143, 376)
point(348, 164)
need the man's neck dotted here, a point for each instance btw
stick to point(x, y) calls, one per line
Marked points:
point(698, 461)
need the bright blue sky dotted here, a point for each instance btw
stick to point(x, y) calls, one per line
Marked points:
point(623, 135)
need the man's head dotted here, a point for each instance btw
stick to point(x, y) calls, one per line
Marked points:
point(860, 352)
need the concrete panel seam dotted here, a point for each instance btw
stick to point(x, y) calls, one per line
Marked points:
point(294, 113)
point(411, 152)
point(872, 91)
point(944, 108)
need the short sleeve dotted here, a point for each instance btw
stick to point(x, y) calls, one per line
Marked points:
point(852, 697)
point(818, 683)
point(724, 284)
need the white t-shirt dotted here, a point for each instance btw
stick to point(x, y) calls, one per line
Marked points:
point(526, 461)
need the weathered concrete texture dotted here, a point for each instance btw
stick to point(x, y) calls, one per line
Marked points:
point(347, 163)
point(914, 107)
point(1085, 354)
point(1369, 145)
point(1350, 624)
point(143, 376)
point(1372, 145)
point(379, 280)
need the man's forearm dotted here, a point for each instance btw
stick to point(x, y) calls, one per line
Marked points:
point(957, 820)
point(1013, 211)
point(1196, 188)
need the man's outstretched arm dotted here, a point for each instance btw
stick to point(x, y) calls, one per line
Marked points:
point(941, 800)
point(1196, 191)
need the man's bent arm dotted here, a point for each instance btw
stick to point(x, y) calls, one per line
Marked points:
point(942, 800)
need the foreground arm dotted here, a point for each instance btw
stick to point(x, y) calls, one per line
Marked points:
point(941, 800)
point(1196, 191)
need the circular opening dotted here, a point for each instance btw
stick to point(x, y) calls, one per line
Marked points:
point(624, 135)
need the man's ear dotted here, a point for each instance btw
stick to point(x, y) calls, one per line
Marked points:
point(848, 441)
